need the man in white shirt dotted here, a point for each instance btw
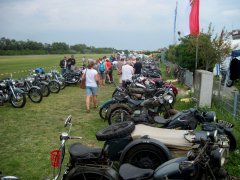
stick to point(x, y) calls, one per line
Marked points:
point(127, 72)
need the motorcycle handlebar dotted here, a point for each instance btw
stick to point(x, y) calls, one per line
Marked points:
point(75, 137)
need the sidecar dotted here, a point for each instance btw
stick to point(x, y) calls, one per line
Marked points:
point(141, 145)
point(145, 146)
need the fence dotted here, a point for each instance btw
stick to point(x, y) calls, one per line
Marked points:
point(227, 98)
point(183, 75)
point(23, 73)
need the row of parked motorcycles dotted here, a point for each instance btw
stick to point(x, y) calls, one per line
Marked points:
point(140, 144)
point(36, 86)
point(143, 135)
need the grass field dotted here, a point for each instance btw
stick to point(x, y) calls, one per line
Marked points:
point(29, 134)
point(20, 66)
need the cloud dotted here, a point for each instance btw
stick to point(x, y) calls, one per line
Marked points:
point(102, 20)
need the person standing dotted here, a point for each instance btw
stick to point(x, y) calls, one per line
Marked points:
point(127, 72)
point(109, 76)
point(119, 69)
point(101, 71)
point(73, 62)
point(137, 66)
point(92, 80)
point(83, 60)
point(63, 65)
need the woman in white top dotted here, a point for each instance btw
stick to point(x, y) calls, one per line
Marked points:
point(92, 80)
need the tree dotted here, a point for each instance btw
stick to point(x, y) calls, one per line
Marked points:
point(211, 50)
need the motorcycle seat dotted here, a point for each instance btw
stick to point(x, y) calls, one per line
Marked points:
point(135, 102)
point(80, 151)
point(130, 172)
point(160, 120)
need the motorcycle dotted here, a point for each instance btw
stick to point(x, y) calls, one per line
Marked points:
point(33, 92)
point(73, 77)
point(97, 163)
point(54, 85)
point(144, 109)
point(58, 77)
point(205, 160)
point(43, 85)
point(8, 92)
point(121, 95)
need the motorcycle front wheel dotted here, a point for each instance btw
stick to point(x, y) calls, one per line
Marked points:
point(35, 95)
point(118, 113)
point(62, 84)
point(103, 112)
point(54, 86)
point(44, 90)
point(19, 100)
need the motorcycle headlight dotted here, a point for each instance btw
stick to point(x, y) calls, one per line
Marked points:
point(168, 99)
point(219, 156)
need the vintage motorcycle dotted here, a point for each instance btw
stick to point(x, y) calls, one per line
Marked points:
point(33, 92)
point(145, 109)
point(97, 163)
point(8, 92)
point(43, 85)
point(54, 74)
point(73, 77)
point(205, 160)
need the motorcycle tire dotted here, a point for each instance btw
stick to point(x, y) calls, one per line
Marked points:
point(118, 113)
point(18, 102)
point(35, 95)
point(54, 87)
point(44, 90)
point(103, 112)
point(145, 156)
point(117, 130)
point(62, 84)
point(92, 173)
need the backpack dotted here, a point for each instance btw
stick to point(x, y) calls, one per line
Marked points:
point(101, 67)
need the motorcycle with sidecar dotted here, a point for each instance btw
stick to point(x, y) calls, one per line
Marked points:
point(122, 144)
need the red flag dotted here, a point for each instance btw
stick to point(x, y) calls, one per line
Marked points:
point(194, 18)
point(189, 17)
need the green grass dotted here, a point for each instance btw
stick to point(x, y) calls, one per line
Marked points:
point(29, 134)
point(20, 66)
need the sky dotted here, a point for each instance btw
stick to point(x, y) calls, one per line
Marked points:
point(120, 24)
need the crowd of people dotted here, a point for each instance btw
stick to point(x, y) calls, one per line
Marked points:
point(100, 71)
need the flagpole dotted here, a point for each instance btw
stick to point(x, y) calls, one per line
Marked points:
point(196, 60)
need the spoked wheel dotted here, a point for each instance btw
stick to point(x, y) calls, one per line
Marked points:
point(119, 114)
point(44, 90)
point(103, 112)
point(19, 100)
point(116, 130)
point(62, 84)
point(35, 95)
point(146, 156)
point(54, 86)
